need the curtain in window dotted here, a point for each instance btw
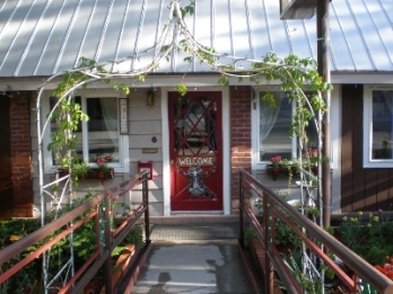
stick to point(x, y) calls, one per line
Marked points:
point(274, 124)
point(268, 117)
point(109, 115)
point(102, 128)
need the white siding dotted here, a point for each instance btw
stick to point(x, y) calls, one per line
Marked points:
point(144, 136)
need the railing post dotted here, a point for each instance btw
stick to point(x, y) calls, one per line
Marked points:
point(145, 195)
point(241, 204)
point(267, 223)
point(108, 245)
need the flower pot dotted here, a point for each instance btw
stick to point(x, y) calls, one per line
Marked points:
point(275, 172)
point(62, 172)
point(101, 175)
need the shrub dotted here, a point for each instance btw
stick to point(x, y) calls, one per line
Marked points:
point(29, 278)
point(368, 235)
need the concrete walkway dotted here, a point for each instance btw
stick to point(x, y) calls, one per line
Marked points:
point(194, 259)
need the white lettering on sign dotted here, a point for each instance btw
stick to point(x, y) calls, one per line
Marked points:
point(195, 161)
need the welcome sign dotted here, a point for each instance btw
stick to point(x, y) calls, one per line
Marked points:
point(188, 161)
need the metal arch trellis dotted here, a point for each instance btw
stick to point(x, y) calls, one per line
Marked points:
point(166, 46)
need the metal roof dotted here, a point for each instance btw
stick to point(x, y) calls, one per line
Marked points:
point(43, 37)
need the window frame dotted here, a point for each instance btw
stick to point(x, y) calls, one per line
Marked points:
point(257, 164)
point(120, 166)
point(368, 162)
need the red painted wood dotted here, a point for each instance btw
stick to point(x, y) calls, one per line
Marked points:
point(195, 138)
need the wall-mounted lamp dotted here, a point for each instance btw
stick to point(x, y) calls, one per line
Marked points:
point(150, 93)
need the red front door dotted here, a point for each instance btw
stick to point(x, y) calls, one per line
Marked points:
point(195, 151)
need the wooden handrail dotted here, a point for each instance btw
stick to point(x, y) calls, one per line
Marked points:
point(306, 230)
point(78, 217)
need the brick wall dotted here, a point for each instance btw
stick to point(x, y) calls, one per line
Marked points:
point(240, 98)
point(20, 157)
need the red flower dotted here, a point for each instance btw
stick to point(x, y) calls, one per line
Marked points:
point(276, 160)
point(385, 270)
point(102, 162)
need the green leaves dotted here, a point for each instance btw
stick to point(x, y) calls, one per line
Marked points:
point(368, 236)
point(122, 87)
point(66, 117)
point(207, 55)
point(187, 10)
point(223, 80)
point(181, 89)
point(270, 99)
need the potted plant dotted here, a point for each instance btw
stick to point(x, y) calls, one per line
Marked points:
point(291, 167)
point(275, 164)
point(103, 167)
point(79, 169)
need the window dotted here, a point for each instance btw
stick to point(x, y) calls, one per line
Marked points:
point(271, 129)
point(378, 127)
point(274, 124)
point(100, 135)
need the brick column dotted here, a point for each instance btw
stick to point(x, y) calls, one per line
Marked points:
point(21, 162)
point(240, 99)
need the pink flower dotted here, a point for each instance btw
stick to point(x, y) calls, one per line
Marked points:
point(102, 162)
point(103, 159)
point(276, 159)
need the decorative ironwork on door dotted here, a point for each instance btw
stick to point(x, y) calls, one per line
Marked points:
point(196, 156)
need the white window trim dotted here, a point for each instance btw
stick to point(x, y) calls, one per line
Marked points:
point(335, 116)
point(255, 138)
point(123, 165)
point(368, 162)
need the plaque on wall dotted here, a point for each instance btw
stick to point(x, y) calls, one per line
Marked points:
point(123, 116)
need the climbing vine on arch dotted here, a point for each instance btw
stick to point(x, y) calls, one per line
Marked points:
point(297, 76)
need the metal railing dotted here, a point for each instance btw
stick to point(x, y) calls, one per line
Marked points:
point(317, 243)
point(98, 209)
